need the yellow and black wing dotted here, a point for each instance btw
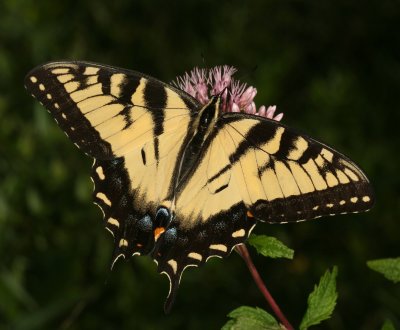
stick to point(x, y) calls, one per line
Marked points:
point(252, 168)
point(134, 126)
point(167, 192)
point(108, 111)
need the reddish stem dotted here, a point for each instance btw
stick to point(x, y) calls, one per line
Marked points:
point(244, 253)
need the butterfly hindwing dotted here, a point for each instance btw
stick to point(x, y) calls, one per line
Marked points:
point(130, 226)
point(179, 247)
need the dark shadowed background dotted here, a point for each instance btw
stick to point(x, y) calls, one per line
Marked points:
point(331, 66)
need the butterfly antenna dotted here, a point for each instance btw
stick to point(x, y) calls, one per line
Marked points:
point(203, 59)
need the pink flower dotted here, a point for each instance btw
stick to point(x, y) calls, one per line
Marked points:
point(236, 96)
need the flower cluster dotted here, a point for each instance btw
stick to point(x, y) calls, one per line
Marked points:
point(235, 95)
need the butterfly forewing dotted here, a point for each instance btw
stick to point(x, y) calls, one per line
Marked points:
point(108, 111)
point(280, 175)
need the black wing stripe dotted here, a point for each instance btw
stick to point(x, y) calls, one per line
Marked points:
point(155, 95)
point(255, 137)
point(221, 172)
point(104, 77)
point(127, 88)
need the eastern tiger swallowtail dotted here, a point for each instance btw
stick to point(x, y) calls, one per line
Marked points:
point(183, 182)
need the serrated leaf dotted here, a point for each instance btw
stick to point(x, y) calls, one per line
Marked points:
point(254, 318)
point(322, 301)
point(270, 247)
point(388, 325)
point(390, 268)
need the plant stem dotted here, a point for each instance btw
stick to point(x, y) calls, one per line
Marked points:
point(244, 253)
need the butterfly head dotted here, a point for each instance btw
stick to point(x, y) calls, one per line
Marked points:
point(208, 115)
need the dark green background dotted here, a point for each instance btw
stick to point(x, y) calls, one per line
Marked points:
point(331, 66)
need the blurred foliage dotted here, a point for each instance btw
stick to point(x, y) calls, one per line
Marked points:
point(331, 66)
point(389, 267)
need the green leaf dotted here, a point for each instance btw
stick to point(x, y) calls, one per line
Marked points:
point(246, 317)
point(388, 325)
point(270, 247)
point(322, 301)
point(389, 267)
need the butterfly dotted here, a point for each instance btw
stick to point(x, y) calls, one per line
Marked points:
point(183, 182)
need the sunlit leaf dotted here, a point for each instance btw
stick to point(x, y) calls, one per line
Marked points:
point(270, 247)
point(322, 301)
point(389, 267)
point(254, 318)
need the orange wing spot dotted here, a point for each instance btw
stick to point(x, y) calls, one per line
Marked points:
point(139, 245)
point(250, 215)
point(157, 232)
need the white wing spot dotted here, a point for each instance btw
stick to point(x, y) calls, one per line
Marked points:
point(195, 255)
point(239, 233)
point(219, 247)
point(342, 202)
point(113, 222)
point(103, 198)
point(41, 87)
point(56, 106)
point(315, 208)
point(354, 199)
point(33, 79)
point(329, 205)
point(123, 242)
point(49, 97)
point(100, 173)
point(366, 199)
point(173, 264)
point(63, 115)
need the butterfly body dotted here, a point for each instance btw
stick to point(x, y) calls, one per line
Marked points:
point(181, 181)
